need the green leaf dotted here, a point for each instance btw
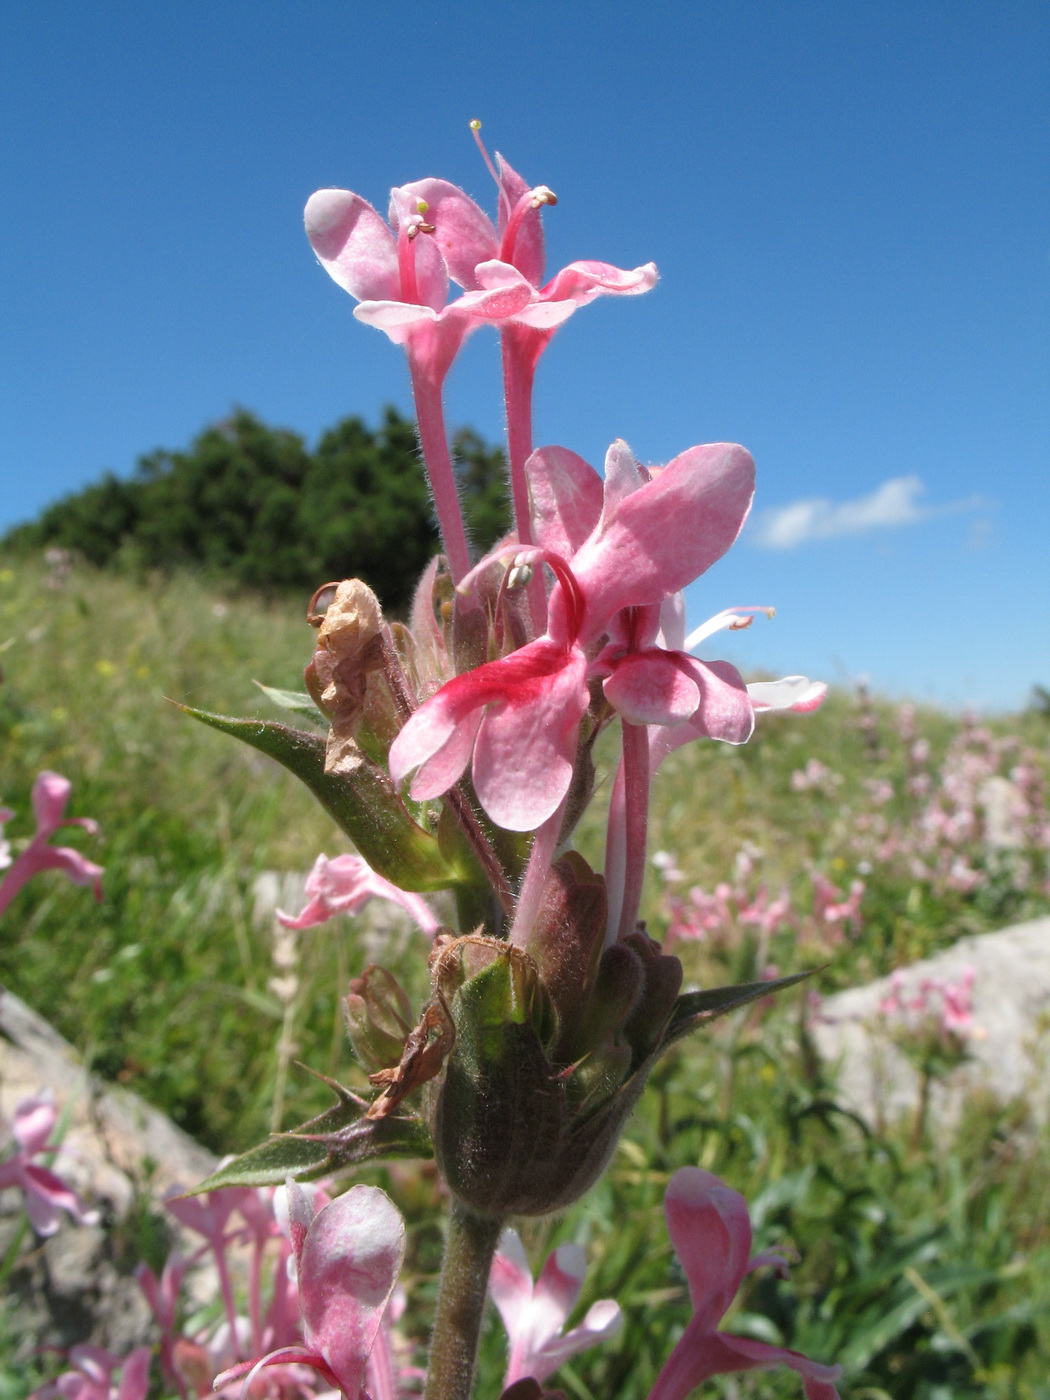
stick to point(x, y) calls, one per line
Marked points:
point(298, 702)
point(696, 1009)
point(337, 1138)
point(364, 803)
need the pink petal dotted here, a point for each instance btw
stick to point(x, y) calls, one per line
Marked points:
point(438, 739)
point(583, 281)
point(462, 231)
point(345, 885)
point(134, 1375)
point(623, 476)
point(510, 1283)
point(725, 710)
point(526, 747)
point(710, 1230)
point(395, 317)
point(698, 1355)
point(46, 1193)
point(502, 292)
point(350, 1262)
point(431, 274)
point(797, 693)
point(565, 497)
point(353, 244)
point(545, 315)
point(71, 863)
point(529, 256)
point(34, 1122)
point(818, 1379)
point(439, 736)
point(665, 534)
point(301, 1215)
point(648, 687)
point(431, 338)
point(672, 623)
point(603, 1320)
point(555, 1294)
point(50, 795)
point(283, 1356)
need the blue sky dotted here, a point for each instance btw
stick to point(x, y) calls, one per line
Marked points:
point(848, 204)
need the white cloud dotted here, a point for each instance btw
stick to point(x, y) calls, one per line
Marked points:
point(895, 502)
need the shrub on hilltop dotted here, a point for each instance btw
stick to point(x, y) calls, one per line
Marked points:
point(252, 505)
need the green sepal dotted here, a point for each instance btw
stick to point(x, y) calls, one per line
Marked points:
point(696, 1009)
point(335, 1139)
point(364, 803)
point(296, 702)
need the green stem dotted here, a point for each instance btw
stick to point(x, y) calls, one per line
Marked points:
point(469, 1247)
point(14, 1249)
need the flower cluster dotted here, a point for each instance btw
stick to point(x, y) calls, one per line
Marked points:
point(459, 758)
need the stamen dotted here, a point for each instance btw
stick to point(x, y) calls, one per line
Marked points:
point(731, 619)
point(530, 201)
point(475, 127)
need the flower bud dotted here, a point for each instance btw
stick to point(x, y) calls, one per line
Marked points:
point(542, 1076)
point(378, 1018)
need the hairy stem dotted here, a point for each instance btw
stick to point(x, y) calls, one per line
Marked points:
point(544, 844)
point(519, 370)
point(433, 440)
point(469, 1247)
point(636, 821)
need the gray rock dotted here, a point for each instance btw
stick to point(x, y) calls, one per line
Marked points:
point(78, 1286)
point(1008, 1048)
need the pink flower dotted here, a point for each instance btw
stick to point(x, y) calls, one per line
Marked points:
point(50, 795)
point(510, 256)
point(94, 1376)
point(45, 1193)
point(711, 1234)
point(398, 273)
point(344, 885)
point(519, 715)
point(535, 1313)
point(400, 280)
point(348, 1257)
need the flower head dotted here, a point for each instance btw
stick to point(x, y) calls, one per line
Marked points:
point(711, 1233)
point(534, 1314)
point(50, 795)
point(348, 1257)
point(344, 885)
point(519, 715)
point(45, 1192)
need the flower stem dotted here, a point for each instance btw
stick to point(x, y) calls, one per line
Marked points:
point(520, 353)
point(430, 419)
point(636, 821)
point(469, 1247)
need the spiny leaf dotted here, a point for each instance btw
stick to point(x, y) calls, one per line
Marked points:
point(696, 1009)
point(337, 1138)
point(297, 702)
point(364, 803)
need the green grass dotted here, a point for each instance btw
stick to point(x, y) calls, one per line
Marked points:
point(925, 1271)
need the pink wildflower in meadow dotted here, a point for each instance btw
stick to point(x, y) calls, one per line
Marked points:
point(344, 885)
point(535, 1313)
point(711, 1233)
point(50, 795)
point(46, 1194)
point(347, 1259)
point(97, 1374)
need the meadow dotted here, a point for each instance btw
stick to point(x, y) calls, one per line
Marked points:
point(857, 839)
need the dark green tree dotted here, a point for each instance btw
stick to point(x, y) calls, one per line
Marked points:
point(251, 505)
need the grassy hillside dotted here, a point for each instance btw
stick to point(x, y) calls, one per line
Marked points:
point(165, 984)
